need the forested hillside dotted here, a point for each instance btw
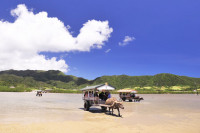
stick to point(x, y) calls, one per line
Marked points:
point(28, 80)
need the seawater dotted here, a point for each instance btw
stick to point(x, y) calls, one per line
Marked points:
point(26, 107)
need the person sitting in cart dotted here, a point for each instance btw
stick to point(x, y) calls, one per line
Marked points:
point(96, 94)
point(86, 94)
point(133, 95)
point(106, 96)
point(109, 95)
point(91, 94)
point(101, 95)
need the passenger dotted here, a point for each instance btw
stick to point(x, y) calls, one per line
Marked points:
point(109, 95)
point(96, 94)
point(86, 94)
point(133, 95)
point(96, 97)
point(120, 95)
point(91, 94)
point(106, 96)
point(101, 95)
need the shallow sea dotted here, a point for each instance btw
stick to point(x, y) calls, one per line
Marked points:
point(169, 112)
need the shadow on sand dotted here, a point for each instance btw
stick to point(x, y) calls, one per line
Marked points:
point(96, 110)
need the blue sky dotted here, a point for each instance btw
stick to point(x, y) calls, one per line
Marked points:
point(165, 35)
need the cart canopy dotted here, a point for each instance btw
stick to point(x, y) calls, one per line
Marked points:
point(101, 87)
point(127, 91)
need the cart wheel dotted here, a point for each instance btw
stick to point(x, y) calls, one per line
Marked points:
point(124, 99)
point(86, 106)
point(103, 108)
point(130, 100)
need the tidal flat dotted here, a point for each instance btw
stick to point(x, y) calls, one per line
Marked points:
point(60, 112)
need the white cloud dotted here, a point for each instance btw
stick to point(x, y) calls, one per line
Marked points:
point(108, 50)
point(126, 40)
point(22, 40)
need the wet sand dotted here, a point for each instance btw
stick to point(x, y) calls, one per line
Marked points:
point(59, 113)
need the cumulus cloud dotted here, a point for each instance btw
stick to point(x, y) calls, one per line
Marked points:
point(30, 33)
point(126, 40)
point(108, 50)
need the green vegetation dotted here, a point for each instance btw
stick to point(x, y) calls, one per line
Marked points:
point(58, 82)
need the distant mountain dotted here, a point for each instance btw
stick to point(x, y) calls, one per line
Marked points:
point(163, 79)
point(56, 79)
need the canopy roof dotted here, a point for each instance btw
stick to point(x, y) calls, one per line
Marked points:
point(101, 87)
point(127, 91)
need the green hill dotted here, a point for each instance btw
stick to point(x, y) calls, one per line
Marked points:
point(28, 80)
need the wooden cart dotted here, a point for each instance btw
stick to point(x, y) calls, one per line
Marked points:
point(96, 96)
point(129, 94)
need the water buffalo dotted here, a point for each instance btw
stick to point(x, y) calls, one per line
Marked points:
point(114, 104)
point(137, 98)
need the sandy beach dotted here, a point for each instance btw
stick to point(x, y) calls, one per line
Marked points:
point(166, 113)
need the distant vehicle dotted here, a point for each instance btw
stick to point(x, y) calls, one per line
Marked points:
point(39, 93)
point(129, 94)
point(96, 96)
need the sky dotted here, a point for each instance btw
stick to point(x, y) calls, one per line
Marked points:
point(92, 38)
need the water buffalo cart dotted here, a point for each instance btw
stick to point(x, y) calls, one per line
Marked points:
point(96, 96)
point(129, 94)
point(39, 93)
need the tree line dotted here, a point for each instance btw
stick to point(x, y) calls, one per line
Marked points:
point(35, 79)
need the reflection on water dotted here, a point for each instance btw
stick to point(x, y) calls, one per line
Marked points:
point(155, 108)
